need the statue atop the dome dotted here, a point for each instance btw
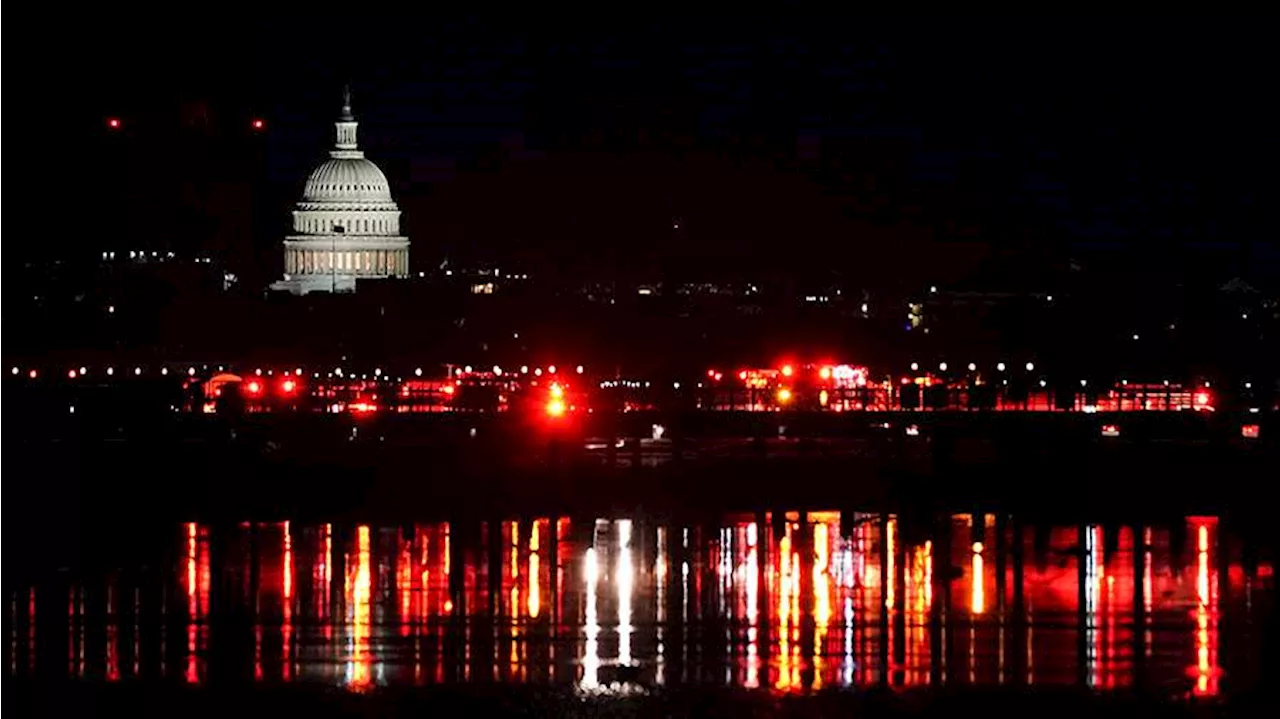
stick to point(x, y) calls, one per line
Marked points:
point(346, 103)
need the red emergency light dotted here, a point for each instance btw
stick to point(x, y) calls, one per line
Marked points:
point(1202, 400)
point(555, 408)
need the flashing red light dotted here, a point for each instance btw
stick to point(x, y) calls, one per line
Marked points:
point(742, 375)
point(1249, 431)
point(254, 387)
point(788, 370)
point(1110, 430)
point(1201, 399)
point(825, 373)
point(448, 389)
point(711, 373)
point(363, 407)
point(113, 123)
point(288, 386)
point(258, 123)
point(555, 408)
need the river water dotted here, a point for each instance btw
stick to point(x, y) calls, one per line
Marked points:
point(781, 601)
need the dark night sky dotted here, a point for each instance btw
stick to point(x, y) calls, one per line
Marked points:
point(854, 140)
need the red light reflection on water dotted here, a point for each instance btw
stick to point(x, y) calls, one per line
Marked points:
point(197, 588)
point(359, 589)
point(807, 600)
point(113, 636)
point(286, 605)
point(1206, 671)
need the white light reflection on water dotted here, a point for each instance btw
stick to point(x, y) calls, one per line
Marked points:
point(591, 652)
point(626, 582)
point(660, 573)
point(350, 633)
point(753, 606)
point(847, 576)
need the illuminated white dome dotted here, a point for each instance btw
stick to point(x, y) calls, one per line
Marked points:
point(347, 226)
point(347, 180)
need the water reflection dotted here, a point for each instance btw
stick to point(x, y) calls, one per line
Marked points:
point(788, 601)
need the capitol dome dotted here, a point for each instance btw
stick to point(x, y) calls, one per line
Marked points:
point(347, 179)
point(347, 226)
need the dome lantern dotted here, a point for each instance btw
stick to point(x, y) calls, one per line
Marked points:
point(346, 146)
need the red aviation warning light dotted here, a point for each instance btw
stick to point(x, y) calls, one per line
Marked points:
point(253, 387)
point(288, 387)
point(258, 124)
point(113, 123)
